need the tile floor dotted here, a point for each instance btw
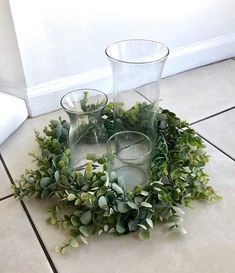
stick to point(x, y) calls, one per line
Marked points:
point(206, 98)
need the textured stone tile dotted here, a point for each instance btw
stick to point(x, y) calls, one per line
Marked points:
point(5, 184)
point(20, 249)
point(200, 92)
point(220, 130)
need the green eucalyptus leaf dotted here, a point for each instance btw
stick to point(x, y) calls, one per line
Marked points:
point(144, 234)
point(45, 153)
point(149, 222)
point(133, 225)
point(84, 196)
point(71, 197)
point(74, 233)
point(142, 226)
point(84, 231)
point(175, 218)
point(54, 219)
point(57, 176)
point(66, 171)
point(144, 193)
point(73, 242)
point(132, 205)
point(120, 226)
point(182, 230)
point(138, 200)
point(56, 133)
point(178, 210)
point(122, 207)
point(121, 182)
point(83, 239)
point(146, 205)
point(117, 188)
point(86, 217)
point(113, 176)
point(64, 249)
point(102, 202)
point(66, 224)
point(58, 249)
point(45, 181)
point(74, 220)
point(106, 228)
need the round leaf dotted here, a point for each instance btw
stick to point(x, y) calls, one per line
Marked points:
point(73, 242)
point(45, 181)
point(83, 239)
point(121, 182)
point(149, 222)
point(144, 234)
point(120, 227)
point(132, 205)
point(57, 176)
point(122, 207)
point(86, 217)
point(71, 197)
point(146, 205)
point(102, 202)
point(84, 231)
point(117, 188)
point(113, 176)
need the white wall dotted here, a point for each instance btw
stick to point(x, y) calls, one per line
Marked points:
point(11, 72)
point(62, 42)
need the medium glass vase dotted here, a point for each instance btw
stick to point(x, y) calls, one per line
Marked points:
point(87, 134)
point(136, 67)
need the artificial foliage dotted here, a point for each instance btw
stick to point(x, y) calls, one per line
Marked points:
point(86, 203)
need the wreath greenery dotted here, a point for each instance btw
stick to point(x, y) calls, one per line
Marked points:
point(86, 204)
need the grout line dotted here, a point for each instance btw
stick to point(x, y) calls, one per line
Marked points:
point(39, 238)
point(5, 197)
point(7, 170)
point(31, 221)
point(216, 147)
point(211, 116)
point(142, 95)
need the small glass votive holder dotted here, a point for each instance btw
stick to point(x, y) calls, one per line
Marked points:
point(129, 159)
point(87, 134)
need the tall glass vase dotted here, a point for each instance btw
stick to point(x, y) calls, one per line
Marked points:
point(87, 134)
point(136, 67)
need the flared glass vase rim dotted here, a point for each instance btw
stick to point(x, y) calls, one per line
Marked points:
point(86, 112)
point(109, 142)
point(164, 57)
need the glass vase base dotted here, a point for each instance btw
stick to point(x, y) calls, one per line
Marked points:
point(132, 175)
point(84, 151)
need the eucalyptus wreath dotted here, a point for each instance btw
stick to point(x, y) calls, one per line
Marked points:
point(86, 203)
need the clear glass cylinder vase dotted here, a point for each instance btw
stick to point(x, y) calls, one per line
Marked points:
point(87, 134)
point(136, 67)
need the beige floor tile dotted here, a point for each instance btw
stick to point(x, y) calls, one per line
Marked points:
point(220, 130)
point(200, 92)
point(5, 184)
point(20, 249)
point(16, 148)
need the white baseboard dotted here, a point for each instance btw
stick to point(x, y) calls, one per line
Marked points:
point(199, 54)
point(46, 97)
